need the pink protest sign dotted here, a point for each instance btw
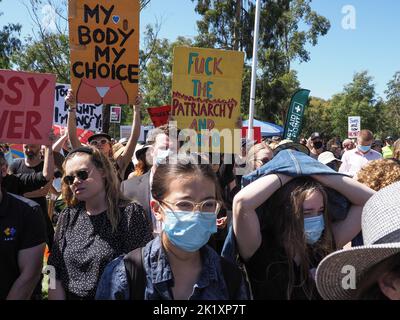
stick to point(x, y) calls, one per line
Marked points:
point(26, 106)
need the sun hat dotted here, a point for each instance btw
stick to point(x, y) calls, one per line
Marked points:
point(326, 157)
point(289, 144)
point(381, 233)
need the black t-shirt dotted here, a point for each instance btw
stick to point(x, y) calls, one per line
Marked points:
point(21, 227)
point(23, 182)
point(84, 245)
point(268, 271)
point(19, 167)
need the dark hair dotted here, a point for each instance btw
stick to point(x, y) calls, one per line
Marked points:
point(284, 222)
point(178, 167)
point(368, 286)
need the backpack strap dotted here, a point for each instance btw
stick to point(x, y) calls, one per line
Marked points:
point(136, 276)
point(232, 276)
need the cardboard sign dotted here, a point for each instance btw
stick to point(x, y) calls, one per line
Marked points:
point(256, 134)
point(159, 115)
point(354, 126)
point(115, 114)
point(104, 43)
point(206, 91)
point(26, 105)
point(88, 116)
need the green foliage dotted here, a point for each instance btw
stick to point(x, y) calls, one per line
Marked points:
point(9, 43)
point(286, 28)
point(47, 55)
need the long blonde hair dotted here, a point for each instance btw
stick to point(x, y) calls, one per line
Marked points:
point(111, 182)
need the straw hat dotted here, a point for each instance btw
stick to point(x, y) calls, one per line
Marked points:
point(381, 233)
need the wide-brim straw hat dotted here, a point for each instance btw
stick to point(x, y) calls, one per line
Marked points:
point(381, 233)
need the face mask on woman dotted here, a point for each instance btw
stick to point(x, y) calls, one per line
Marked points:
point(188, 230)
point(313, 228)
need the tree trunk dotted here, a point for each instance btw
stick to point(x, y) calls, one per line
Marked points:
point(238, 22)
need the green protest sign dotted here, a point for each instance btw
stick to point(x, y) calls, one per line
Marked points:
point(294, 118)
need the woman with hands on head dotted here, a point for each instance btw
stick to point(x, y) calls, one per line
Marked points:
point(292, 232)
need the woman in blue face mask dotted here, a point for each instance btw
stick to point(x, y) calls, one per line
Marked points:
point(178, 264)
point(292, 231)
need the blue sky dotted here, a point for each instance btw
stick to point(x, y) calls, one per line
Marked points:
point(373, 45)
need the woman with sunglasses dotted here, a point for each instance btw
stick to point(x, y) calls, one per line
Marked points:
point(94, 228)
point(179, 265)
point(102, 141)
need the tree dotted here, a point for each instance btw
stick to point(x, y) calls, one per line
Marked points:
point(9, 43)
point(391, 113)
point(317, 118)
point(357, 99)
point(286, 28)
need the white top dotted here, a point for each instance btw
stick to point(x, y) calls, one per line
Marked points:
point(353, 160)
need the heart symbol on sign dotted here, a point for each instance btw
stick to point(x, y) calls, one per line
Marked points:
point(115, 19)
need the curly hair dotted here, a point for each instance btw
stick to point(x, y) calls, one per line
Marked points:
point(378, 174)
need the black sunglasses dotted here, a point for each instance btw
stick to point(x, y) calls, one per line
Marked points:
point(81, 174)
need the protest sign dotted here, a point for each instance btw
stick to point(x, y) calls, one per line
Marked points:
point(82, 134)
point(125, 132)
point(88, 116)
point(26, 105)
point(115, 114)
point(354, 126)
point(295, 115)
point(104, 44)
point(159, 115)
point(206, 92)
point(256, 135)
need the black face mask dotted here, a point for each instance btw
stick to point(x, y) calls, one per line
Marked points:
point(317, 144)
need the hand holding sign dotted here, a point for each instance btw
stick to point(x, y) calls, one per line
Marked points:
point(70, 99)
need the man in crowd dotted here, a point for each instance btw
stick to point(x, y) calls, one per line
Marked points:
point(22, 243)
point(355, 159)
point(387, 150)
point(30, 164)
point(138, 188)
point(316, 145)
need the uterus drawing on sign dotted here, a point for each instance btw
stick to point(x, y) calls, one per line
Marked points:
point(101, 91)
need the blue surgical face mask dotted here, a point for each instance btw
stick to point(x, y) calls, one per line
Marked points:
point(364, 149)
point(313, 228)
point(162, 155)
point(189, 231)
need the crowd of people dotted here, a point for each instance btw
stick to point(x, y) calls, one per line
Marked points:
point(121, 221)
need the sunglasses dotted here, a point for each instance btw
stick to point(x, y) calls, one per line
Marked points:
point(81, 175)
point(98, 142)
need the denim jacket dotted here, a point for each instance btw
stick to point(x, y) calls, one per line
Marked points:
point(295, 164)
point(211, 285)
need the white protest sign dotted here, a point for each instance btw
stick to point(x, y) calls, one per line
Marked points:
point(88, 116)
point(354, 127)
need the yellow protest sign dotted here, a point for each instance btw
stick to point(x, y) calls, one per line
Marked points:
point(206, 91)
point(104, 43)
